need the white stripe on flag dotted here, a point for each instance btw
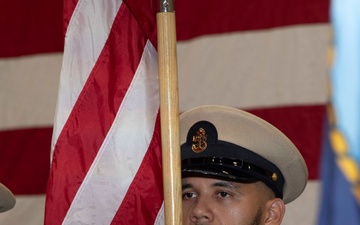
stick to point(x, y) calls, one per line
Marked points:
point(266, 68)
point(28, 90)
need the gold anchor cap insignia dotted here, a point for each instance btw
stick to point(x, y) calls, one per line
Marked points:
point(199, 141)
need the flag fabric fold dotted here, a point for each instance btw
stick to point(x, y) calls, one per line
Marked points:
point(106, 164)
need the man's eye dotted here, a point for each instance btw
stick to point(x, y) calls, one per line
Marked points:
point(223, 194)
point(188, 195)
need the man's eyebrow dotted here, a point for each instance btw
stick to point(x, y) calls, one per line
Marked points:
point(187, 185)
point(225, 184)
point(220, 183)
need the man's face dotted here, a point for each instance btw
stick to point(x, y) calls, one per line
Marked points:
point(212, 201)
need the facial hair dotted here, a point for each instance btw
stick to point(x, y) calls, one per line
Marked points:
point(257, 218)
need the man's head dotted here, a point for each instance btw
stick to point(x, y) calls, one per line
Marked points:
point(7, 199)
point(229, 146)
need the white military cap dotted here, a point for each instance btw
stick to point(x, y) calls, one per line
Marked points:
point(231, 144)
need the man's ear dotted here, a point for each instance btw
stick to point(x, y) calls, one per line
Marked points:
point(275, 211)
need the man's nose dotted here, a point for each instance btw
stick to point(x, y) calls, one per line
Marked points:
point(202, 211)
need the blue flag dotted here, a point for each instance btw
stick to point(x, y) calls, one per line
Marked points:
point(338, 204)
point(341, 150)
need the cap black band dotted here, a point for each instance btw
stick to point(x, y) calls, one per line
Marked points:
point(233, 169)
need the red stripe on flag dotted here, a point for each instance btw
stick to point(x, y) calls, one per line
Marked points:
point(94, 112)
point(146, 190)
point(29, 158)
point(24, 161)
point(304, 126)
point(196, 18)
point(144, 12)
point(31, 27)
point(43, 29)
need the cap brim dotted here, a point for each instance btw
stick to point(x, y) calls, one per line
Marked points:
point(7, 199)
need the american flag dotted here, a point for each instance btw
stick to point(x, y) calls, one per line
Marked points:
point(106, 154)
point(266, 57)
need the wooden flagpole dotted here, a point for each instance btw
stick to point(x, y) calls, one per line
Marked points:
point(169, 112)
